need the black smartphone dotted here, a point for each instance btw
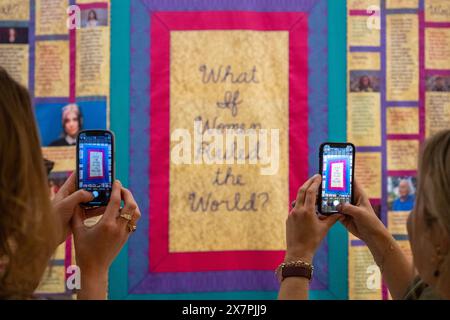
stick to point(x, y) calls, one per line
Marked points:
point(95, 165)
point(337, 169)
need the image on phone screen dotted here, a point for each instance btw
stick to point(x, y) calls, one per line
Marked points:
point(337, 176)
point(95, 164)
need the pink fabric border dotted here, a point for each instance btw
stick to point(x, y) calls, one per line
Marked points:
point(89, 164)
point(161, 260)
point(93, 5)
point(363, 13)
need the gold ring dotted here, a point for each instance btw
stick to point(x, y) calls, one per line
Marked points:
point(126, 216)
point(132, 227)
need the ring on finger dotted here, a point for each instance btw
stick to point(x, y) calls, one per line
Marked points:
point(126, 216)
point(131, 227)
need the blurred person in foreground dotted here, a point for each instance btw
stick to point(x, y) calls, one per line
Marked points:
point(32, 226)
point(427, 277)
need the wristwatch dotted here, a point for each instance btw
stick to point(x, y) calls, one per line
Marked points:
point(294, 269)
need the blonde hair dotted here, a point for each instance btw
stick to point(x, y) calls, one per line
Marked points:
point(434, 185)
point(71, 108)
point(28, 228)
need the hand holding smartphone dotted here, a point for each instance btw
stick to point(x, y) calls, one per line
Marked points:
point(95, 165)
point(337, 170)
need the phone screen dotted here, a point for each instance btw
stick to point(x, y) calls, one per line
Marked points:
point(95, 165)
point(337, 176)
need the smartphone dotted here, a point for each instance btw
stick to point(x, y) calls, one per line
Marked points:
point(95, 165)
point(337, 170)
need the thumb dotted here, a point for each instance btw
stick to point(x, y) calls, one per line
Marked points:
point(78, 197)
point(350, 210)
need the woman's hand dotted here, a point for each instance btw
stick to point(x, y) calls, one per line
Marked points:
point(67, 200)
point(305, 230)
point(360, 219)
point(96, 247)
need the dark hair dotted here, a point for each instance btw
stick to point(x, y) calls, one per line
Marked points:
point(89, 15)
point(361, 85)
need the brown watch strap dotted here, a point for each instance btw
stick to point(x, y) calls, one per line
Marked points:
point(297, 271)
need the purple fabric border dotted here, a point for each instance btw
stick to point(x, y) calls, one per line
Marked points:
point(401, 11)
point(357, 243)
point(53, 37)
point(31, 48)
point(383, 213)
point(61, 100)
point(364, 49)
point(140, 281)
point(254, 5)
point(402, 103)
point(368, 149)
point(383, 112)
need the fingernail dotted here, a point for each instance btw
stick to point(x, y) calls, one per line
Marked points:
point(118, 183)
point(339, 207)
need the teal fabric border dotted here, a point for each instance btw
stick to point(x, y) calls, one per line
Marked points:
point(120, 76)
point(119, 115)
point(337, 131)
